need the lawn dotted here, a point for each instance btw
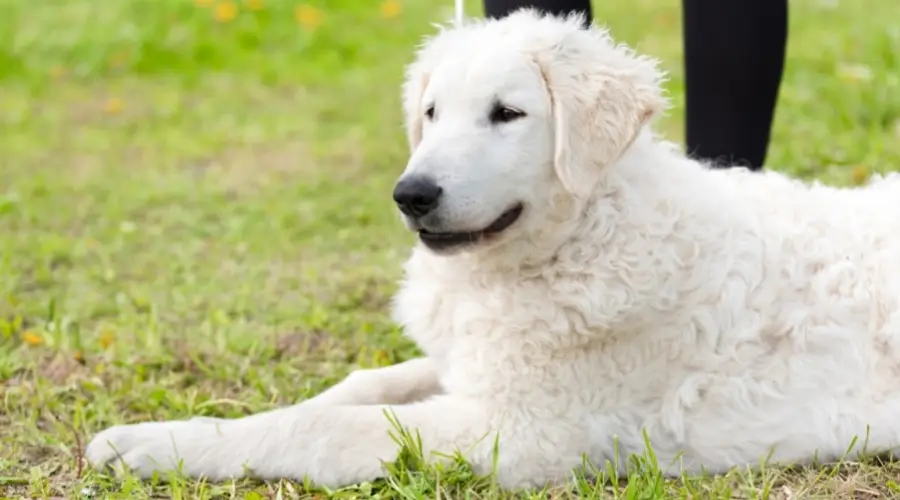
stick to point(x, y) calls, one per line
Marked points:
point(195, 217)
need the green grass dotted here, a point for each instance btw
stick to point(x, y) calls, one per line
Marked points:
point(195, 217)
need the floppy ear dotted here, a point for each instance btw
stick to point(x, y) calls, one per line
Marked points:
point(413, 88)
point(418, 74)
point(602, 96)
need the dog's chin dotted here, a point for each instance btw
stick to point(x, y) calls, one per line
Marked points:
point(450, 243)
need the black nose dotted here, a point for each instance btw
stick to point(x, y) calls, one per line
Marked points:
point(417, 195)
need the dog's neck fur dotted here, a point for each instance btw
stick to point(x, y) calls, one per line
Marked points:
point(635, 216)
point(628, 199)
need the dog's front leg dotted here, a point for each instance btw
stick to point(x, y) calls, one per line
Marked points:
point(332, 445)
point(402, 383)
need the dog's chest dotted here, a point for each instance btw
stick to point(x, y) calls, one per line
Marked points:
point(517, 343)
point(448, 318)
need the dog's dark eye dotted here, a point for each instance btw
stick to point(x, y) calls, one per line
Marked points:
point(504, 114)
point(429, 112)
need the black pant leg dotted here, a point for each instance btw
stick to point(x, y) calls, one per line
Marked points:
point(734, 59)
point(500, 8)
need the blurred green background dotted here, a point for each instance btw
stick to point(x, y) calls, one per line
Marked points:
point(195, 212)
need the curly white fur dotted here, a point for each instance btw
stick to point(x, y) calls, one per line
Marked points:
point(729, 314)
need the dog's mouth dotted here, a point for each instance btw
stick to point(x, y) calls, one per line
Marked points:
point(445, 241)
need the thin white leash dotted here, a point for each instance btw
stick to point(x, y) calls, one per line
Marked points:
point(460, 11)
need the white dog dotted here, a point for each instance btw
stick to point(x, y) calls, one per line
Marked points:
point(578, 282)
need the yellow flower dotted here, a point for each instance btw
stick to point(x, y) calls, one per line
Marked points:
point(859, 174)
point(380, 357)
point(308, 16)
point(107, 338)
point(225, 12)
point(391, 8)
point(203, 3)
point(32, 338)
point(113, 105)
point(254, 4)
point(118, 59)
point(57, 72)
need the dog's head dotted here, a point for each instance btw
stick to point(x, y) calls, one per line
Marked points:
point(507, 117)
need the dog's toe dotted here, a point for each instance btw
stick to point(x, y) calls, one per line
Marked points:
point(110, 444)
point(194, 447)
point(140, 448)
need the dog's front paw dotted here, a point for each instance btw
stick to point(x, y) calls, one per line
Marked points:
point(192, 447)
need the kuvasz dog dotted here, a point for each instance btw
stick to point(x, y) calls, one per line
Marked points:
point(578, 285)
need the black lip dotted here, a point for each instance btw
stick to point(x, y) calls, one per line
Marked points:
point(444, 241)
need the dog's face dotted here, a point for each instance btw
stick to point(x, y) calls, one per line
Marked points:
point(505, 117)
point(486, 152)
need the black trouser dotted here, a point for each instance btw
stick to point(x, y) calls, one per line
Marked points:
point(734, 57)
